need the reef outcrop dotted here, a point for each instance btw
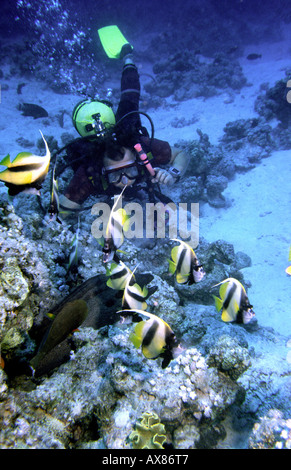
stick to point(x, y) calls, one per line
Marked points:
point(103, 390)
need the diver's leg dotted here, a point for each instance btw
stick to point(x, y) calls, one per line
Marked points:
point(130, 95)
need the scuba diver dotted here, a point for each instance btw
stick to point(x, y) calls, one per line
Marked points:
point(117, 151)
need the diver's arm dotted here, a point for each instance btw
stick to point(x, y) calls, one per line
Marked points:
point(178, 164)
point(179, 160)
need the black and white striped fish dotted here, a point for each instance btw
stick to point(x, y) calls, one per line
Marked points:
point(25, 172)
point(114, 236)
point(118, 275)
point(74, 253)
point(233, 302)
point(155, 337)
point(185, 264)
point(54, 208)
point(135, 296)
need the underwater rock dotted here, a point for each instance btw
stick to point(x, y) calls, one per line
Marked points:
point(12, 338)
point(179, 122)
point(13, 282)
point(239, 129)
point(190, 77)
point(192, 189)
point(242, 260)
point(203, 156)
point(185, 386)
point(104, 389)
point(33, 428)
point(51, 141)
point(206, 162)
point(247, 141)
point(67, 137)
point(271, 432)
point(229, 357)
point(186, 436)
point(273, 104)
point(253, 131)
point(266, 387)
point(215, 185)
point(22, 275)
point(3, 384)
point(25, 142)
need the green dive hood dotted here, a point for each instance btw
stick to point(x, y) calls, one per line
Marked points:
point(93, 117)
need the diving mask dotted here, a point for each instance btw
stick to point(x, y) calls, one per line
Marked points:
point(115, 174)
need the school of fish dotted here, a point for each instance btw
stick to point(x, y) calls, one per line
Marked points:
point(26, 172)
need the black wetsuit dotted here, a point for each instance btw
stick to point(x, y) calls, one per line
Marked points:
point(88, 179)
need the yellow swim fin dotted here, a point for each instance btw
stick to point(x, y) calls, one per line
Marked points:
point(112, 40)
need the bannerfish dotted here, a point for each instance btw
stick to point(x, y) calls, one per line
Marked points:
point(288, 270)
point(114, 235)
point(118, 275)
point(54, 208)
point(135, 296)
point(254, 56)
point(155, 337)
point(74, 254)
point(72, 315)
point(26, 172)
point(233, 302)
point(185, 264)
point(33, 110)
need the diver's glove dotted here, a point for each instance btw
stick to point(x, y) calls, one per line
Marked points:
point(163, 177)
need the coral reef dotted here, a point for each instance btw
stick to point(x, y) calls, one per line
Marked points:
point(149, 433)
point(273, 105)
point(189, 77)
point(229, 357)
point(272, 432)
point(94, 397)
point(33, 277)
point(92, 400)
point(99, 395)
point(24, 280)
